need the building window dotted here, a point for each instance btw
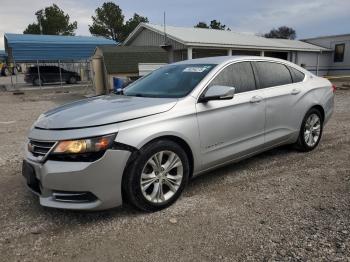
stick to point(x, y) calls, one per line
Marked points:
point(339, 51)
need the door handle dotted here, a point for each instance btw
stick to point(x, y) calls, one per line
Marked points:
point(295, 91)
point(256, 99)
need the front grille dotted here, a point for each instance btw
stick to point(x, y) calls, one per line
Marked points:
point(40, 149)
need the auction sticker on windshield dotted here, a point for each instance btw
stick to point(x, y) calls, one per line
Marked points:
point(196, 69)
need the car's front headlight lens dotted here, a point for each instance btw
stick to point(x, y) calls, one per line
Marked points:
point(87, 145)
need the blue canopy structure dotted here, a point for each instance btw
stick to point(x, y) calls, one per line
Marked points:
point(31, 48)
point(3, 55)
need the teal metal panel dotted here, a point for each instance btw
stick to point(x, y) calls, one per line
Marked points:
point(29, 48)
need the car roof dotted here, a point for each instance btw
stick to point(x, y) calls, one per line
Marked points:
point(220, 60)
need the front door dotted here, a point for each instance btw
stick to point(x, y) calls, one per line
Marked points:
point(232, 128)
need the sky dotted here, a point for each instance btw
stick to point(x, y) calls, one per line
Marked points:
point(309, 18)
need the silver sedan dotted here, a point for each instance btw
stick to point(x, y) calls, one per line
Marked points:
point(143, 145)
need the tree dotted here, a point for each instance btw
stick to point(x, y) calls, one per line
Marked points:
point(132, 23)
point(217, 25)
point(201, 25)
point(214, 24)
point(109, 22)
point(283, 32)
point(53, 21)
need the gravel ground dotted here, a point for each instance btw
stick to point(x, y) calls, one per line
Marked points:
point(278, 206)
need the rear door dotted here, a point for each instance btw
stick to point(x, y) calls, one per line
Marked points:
point(281, 99)
point(235, 127)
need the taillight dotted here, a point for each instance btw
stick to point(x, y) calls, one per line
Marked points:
point(334, 88)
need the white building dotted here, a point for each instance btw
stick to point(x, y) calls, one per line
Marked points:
point(336, 62)
point(187, 42)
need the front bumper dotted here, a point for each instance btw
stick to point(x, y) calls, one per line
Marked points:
point(101, 178)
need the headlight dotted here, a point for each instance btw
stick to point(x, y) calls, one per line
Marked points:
point(81, 146)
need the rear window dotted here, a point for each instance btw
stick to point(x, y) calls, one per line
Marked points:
point(296, 75)
point(273, 74)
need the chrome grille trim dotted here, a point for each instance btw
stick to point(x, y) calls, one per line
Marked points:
point(40, 149)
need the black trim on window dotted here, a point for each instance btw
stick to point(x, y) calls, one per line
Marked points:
point(255, 74)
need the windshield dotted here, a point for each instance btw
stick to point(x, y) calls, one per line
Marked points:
point(171, 81)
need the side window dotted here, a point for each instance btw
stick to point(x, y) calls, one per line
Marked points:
point(296, 75)
point(339, 51)
point(273, 74)
point(239, 75)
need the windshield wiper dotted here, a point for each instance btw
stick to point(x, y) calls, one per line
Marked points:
point(137, 95)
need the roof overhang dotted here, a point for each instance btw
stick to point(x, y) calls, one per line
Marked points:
point(142, 26)
point(253, 47)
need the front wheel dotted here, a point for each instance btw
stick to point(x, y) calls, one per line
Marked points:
point(157, 177)
point(310, 131)
point(6, 72)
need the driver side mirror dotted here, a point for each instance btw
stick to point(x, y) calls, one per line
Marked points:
point(217, 92)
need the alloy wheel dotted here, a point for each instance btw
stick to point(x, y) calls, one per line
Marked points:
point(312, 130)
point(161, 176)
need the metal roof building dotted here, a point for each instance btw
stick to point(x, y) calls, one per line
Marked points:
point(31, 48)
point(125, 59)
point(201, 37)
point(189, 42)
point(337, 62)
point(126, 62)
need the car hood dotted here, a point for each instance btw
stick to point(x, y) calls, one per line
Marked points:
point(102, 110)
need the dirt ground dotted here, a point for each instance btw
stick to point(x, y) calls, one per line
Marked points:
point(278, 206)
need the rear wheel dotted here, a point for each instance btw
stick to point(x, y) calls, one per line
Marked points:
point(157, 177)
point(310, 131)
point(72, 80)
point(37, 82)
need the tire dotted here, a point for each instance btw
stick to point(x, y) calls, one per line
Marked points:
point(142, 168)
point(309, 142)
point(37, 82)
point(72, 80)
point(6, 72)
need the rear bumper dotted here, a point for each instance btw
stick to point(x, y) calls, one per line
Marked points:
point(100, 180)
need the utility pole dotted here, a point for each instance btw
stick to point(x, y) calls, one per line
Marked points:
point(165, 40)
point(40, 14)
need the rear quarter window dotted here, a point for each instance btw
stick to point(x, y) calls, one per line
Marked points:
point(273, 74)
point(296, 75)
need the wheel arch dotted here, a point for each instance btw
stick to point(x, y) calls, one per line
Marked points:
point(135, 153)
point(319, 108)
point(315, 106)
point(180, 141)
